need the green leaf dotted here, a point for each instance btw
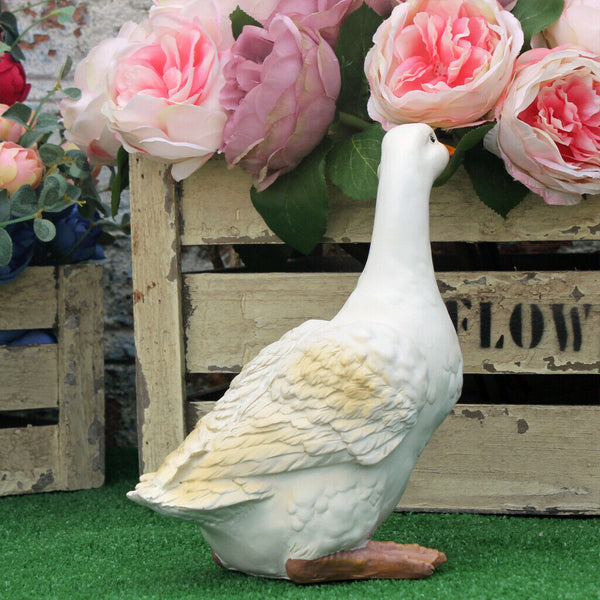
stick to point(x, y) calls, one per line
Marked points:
point(535, 16)
point(6, 247)
point(296, 206)
point(53, 190)
point(65, 14)
point(29, 138)
point(120, 181)
point(352, 164)
point(494, 186)
point(4, 47)
point(51, 154)
point(239, 19)
point(19, 113)
point(24, 202)
point(355, 39)
point(4, 205)
point(65, 69)
point(9, 24)
point(45, 123)
point(44, 230)
point(73, 192)
point(467, 141)
point(72, 92)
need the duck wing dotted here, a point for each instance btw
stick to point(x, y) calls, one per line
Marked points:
point(322, 395)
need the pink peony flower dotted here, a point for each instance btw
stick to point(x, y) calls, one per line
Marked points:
point(9, 130)
point(163, 92)
point(579, 25)
point(322, 16)
point(548, 130)
point(282, 85)
point(19, 166)
point(85, 124)
point(441, 62)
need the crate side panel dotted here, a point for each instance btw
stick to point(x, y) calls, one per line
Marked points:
point(507, 322)
point(504, 459)
point(81, 376)
point(29, 460)
point(511, 459)
point(217, 209)
point(35, 290)
point(29, 377)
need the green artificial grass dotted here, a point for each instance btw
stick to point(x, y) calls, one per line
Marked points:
point(96, 545)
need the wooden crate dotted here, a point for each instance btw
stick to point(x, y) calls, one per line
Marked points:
point(66, 377)
point(508, 458)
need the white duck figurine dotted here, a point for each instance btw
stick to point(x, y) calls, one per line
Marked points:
point(312, 446)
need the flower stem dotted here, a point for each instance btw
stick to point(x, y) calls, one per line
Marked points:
point(352, 121)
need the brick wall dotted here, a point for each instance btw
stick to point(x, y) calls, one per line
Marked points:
point(46, 47)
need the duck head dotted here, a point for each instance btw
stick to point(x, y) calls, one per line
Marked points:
point(417, 144)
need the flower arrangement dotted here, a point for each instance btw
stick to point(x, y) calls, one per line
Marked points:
point(48, 198)
point(299, 94)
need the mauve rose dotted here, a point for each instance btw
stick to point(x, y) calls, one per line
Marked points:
point(13, 84)
point(9, 130)
point(441, 62)
point(322, 16)
point(548, 130)
point(163, 93)
point(508, 4)
point(282, 84)
point(19, 166)
point(85, 124)
point(579, 25)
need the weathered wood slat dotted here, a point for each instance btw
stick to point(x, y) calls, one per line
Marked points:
point(34, 289)
point(216, 209)
point(29, 460)
point(157, 312)
point(28, 377)
point(81, 376)
point(508, 322)
point(507, 459)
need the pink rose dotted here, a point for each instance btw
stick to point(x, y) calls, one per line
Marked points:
point(85, 124)
point(19, 166)
point(441, 62)
point(322, 16)
point(548, 130)
point(282, 84)
point(9, 130)
point(260, 10)
point(579, 25)
point(163, 93)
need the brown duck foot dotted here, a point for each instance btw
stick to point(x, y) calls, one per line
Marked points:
point(377, 560)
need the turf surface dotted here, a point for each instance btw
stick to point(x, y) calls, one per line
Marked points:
point(96, 545)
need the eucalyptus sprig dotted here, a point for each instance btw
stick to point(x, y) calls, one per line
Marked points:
point(67, 177)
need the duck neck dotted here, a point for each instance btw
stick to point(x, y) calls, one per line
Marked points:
point(400, 248)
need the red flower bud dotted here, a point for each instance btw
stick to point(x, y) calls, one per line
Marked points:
point(13, 85)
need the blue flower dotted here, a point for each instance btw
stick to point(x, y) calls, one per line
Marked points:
point(24, 245)
point(76, 237)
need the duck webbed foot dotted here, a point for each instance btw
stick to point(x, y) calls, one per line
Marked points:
point(376, 560)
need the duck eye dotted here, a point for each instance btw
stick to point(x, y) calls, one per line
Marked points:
point(432, 138)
